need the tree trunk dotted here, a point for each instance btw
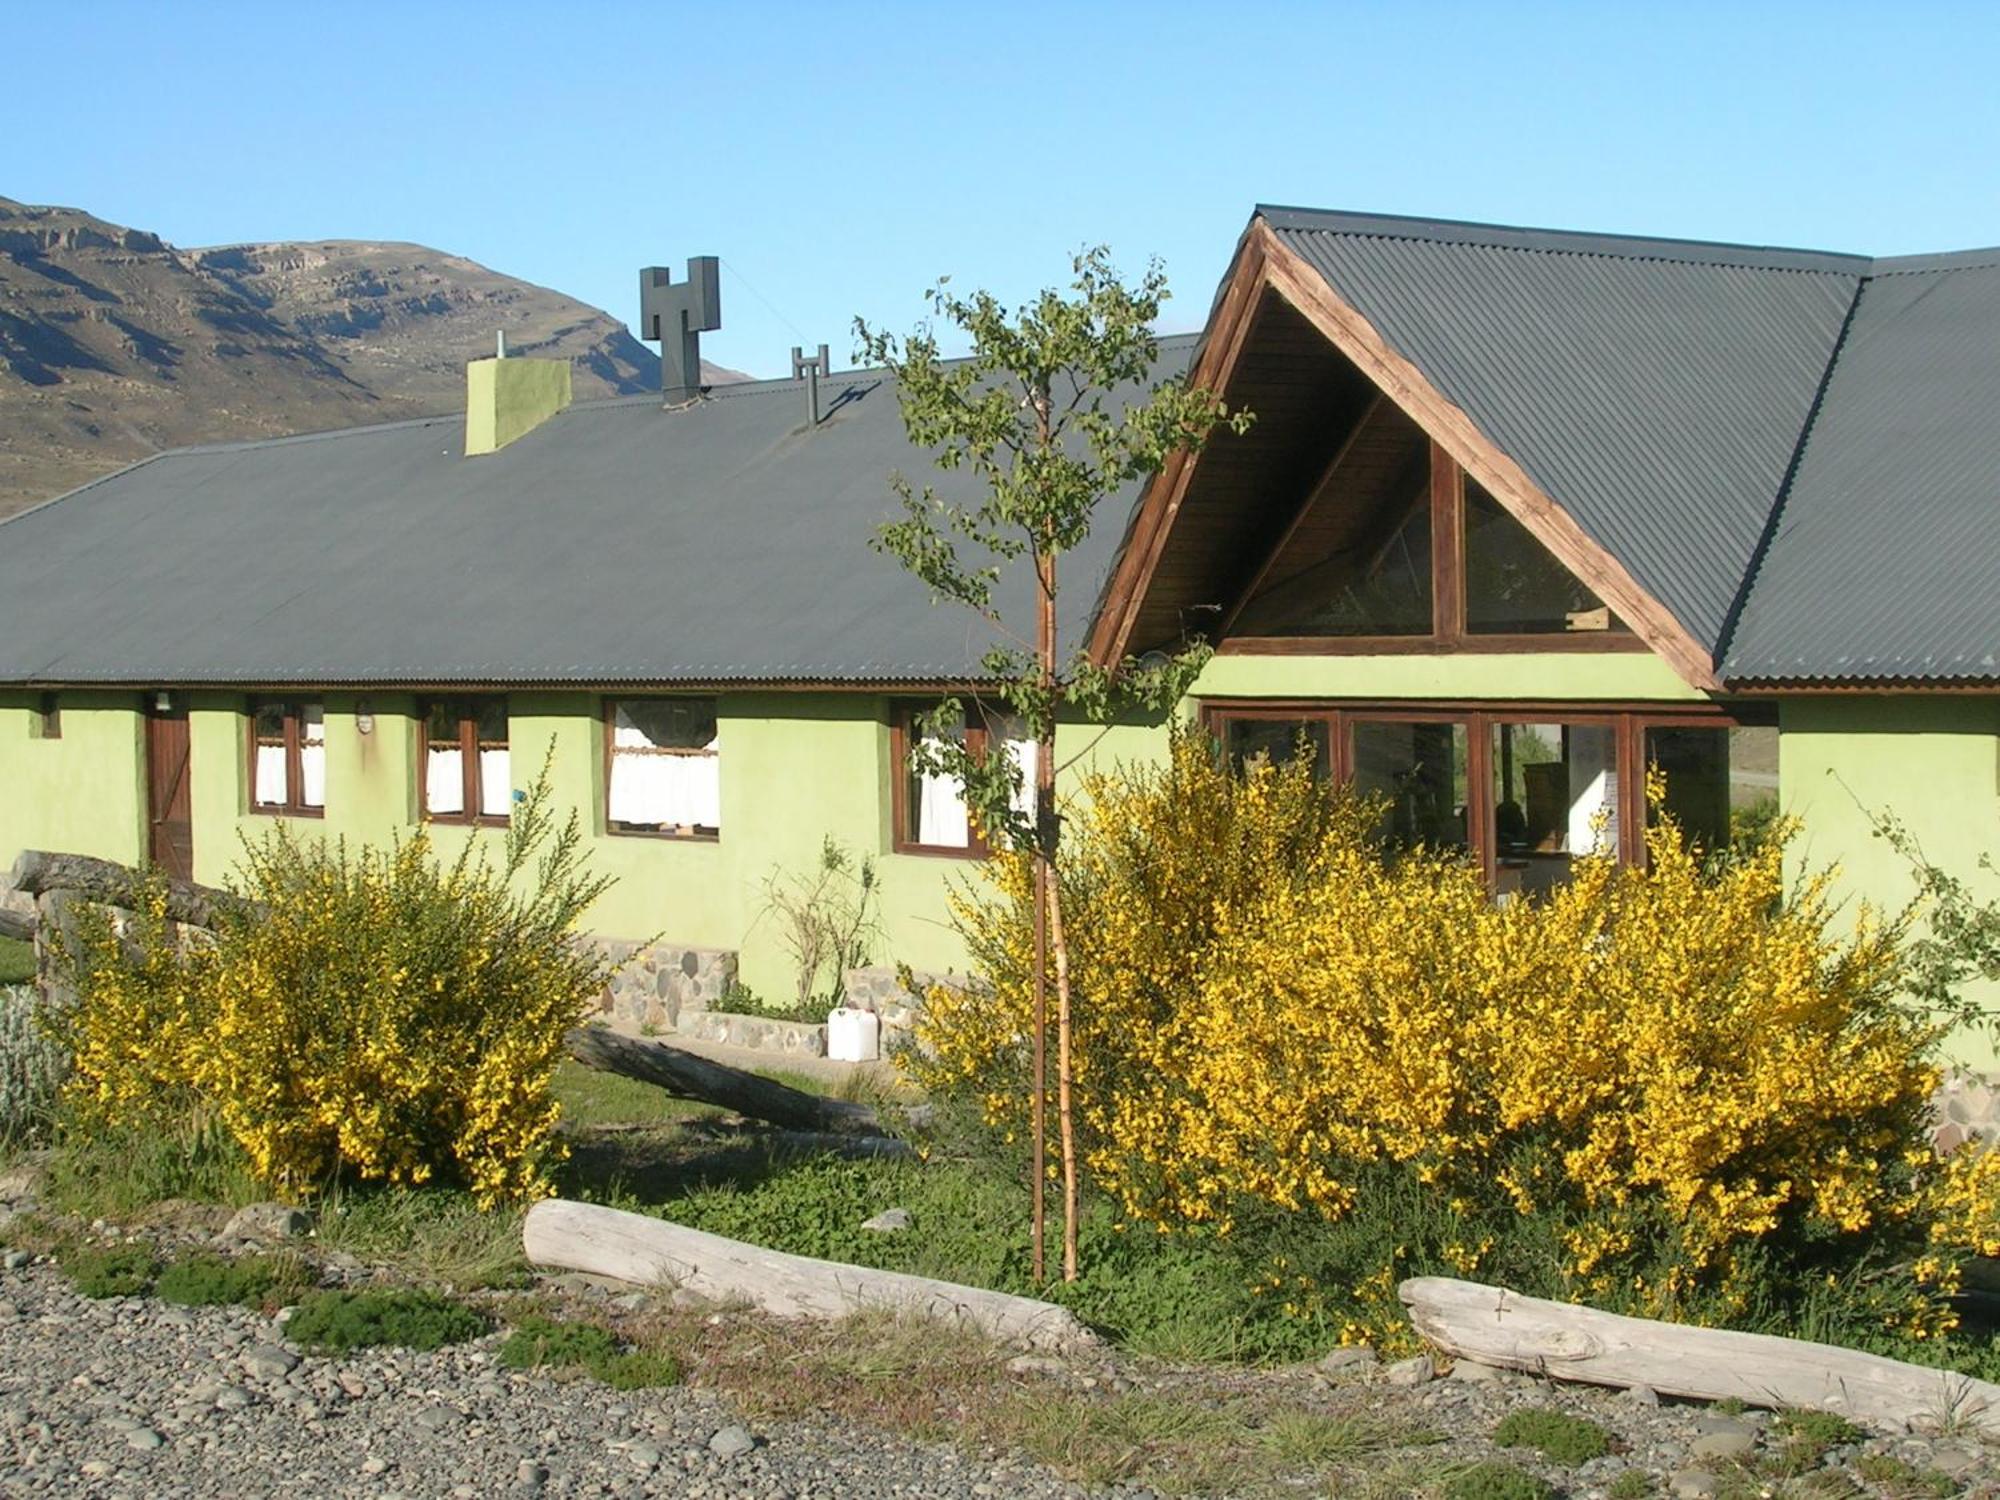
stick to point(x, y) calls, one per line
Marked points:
point(38, 872)
point(655, 1253)
point(1492, 1326)
point(1065, 1105)
point(687, 1076)
point(1038, 1134)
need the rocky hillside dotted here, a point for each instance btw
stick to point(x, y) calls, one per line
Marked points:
point(114, 343)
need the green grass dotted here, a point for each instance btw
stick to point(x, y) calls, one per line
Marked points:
point(590, 1098)
point(17, 961)
point(118, 1174)
point(1631, 1485)
point(1555, 1435)
point(334, 1322)
point(1496, 1481)
point(538, 1343)
point(427, 1234)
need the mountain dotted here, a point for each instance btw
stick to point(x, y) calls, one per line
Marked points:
point(114, 343)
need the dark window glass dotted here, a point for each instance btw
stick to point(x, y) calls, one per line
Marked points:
point(1721, 784)
point(1278, 741)
point(1359, 561)
point(1555, 797)
point(1420, 770)
point(1514, 585)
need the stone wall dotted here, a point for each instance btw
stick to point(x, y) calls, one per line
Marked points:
point(658, 983)
point(880, 988)
point(1967, 1107)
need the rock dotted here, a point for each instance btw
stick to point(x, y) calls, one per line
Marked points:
point(1347, 1361)
point(1690, 1484)
point(23, 1182)
point(1415, 1371)
point(267, 1221)
point(18, 1260)
point(645, 1457)
point(888, 1221)
point(143, 1439)
point(1724, 1445)
point(731, 1441)
point(1037, 1364)
point(269, 1362)
point(1641, 1395)
point(374, 1465)
point(1473, 1373)
point(1955, 1459)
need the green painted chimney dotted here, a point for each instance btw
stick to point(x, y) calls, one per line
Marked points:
point(505, 398)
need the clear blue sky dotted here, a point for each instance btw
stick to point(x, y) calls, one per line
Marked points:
point(840, 157)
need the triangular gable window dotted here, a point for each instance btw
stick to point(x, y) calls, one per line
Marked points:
point(1397, 547)
point(1514, 585)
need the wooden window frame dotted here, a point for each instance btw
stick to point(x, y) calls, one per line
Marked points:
point(47, 720)
point(293, 710)
point(688, 833)
point(902, 734)
point(466, 710)
point(1629, 722)
point(1448, 634)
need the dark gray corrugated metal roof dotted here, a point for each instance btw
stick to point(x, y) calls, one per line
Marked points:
point(1885, 559)
point(1655, 389)
point(615, 543)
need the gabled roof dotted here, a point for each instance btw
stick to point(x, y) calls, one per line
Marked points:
point(617, 543)
point(1791, 457)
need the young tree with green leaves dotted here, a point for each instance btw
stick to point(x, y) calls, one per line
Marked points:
point(1056, 408)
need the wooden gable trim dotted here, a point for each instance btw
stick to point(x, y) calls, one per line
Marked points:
point(1221, 347)
point(1344, 326)
point(1263, 261)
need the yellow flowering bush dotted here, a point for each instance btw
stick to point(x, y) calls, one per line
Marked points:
point(382, 1014)
point(1658, 1090)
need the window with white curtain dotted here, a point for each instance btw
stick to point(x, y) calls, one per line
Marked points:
point(663, 767)
point(931, 813)
point(466, 774)
point(288, 758)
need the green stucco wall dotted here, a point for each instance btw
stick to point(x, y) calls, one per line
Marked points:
point(1932, 761)
point(505, 398)
point(799, 767)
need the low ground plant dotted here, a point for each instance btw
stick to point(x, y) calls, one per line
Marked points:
point(1494, 1480)
point(335, 1322)
point(539, 1343)
point(1685, 1092)
point(380, 1015)
point(108, 1270)
point(252, 1281)
point(17, 961)
point(1557, 1436)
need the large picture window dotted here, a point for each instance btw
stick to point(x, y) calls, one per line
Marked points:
point(466, 774)
point(288, 759)
point(930, 812)
point(663, 767)
point(1527, 790)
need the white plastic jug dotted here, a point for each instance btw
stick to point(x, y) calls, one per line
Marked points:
point(853, 1035)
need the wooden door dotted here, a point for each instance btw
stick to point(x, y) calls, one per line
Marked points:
point(169, 806)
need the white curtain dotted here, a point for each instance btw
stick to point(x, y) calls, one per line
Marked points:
point(444, 780)
point(312, 755)
point(1593, 789)
point(496, 784)
point(662, 788)
point(942, 821)
point(270, 788)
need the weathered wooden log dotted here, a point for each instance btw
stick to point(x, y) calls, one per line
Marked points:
point(652, 1252)
point(687, 1076)
point(1492, 1326)
point(38, 871)
point(17, 917)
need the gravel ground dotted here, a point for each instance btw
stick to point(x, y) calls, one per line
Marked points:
point(133, 1397)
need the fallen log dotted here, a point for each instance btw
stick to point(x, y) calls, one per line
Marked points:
point(654, 1253)
point(1492, 1326)
point(687, 1076)
point(38, 872)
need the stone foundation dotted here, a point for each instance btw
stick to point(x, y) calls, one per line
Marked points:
point(658, 983)
point(780, 1038)
point(1966, 1107)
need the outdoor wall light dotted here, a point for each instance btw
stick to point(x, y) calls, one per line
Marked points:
point(364, 717)
point(163, 703)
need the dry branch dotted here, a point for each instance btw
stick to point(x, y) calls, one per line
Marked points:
point(652, 1252)
point(1492, 1326)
